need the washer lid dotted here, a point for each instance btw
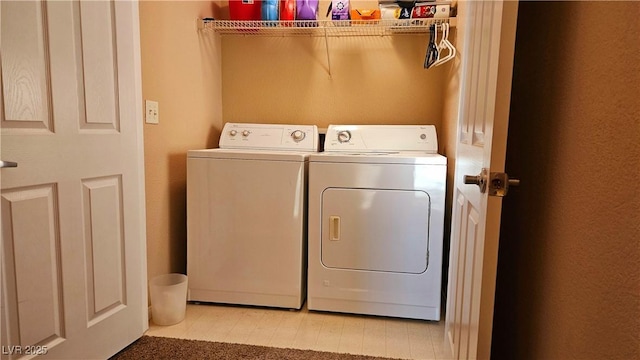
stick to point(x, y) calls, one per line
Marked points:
point(249, 154)
point(402, 157)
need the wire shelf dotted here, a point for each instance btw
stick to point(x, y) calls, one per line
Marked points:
point(322, 27)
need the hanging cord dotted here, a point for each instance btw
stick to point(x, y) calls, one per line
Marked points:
point(432, 48)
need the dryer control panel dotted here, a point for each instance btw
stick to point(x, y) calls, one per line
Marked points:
point(269, 137)
point(381, 138)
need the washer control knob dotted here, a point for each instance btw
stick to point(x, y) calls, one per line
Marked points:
point(233, 133)
point(344, 136)
point(245, 133)
point(298, 135)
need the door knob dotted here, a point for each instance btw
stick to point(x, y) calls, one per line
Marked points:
point(4, 164)
point(480, 180)
point(498, 183)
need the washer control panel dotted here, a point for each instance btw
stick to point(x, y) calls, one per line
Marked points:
point(269, 137)
point(380, 138)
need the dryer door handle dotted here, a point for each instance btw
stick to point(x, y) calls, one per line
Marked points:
point(334, 228)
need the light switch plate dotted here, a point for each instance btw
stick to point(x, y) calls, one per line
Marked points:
point(152, 112)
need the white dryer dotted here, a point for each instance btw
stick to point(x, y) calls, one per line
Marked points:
point(246, 216)
point(376, 219)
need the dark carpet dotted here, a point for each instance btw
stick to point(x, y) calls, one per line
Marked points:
point(153, 347)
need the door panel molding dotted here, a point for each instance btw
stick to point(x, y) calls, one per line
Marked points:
point(99, 66)
point(26, 86)
point(104, 242)
point(32, 294)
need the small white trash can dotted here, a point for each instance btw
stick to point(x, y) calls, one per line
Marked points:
point(168, 298)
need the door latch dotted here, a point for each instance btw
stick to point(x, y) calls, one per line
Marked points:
point(497, 183)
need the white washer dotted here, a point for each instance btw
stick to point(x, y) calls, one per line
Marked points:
point(246, 216)
point(376, 219)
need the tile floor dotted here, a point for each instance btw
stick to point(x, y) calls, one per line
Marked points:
point(304, 329)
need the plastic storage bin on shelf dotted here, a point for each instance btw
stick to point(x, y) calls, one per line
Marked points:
point(245, 9)
point(168, 298)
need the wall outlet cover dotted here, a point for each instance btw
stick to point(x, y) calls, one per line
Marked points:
point(152, 112)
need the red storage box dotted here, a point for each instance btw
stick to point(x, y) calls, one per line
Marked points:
point(245, 9)
point(287, 9)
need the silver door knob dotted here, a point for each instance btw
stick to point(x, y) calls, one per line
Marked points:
point(473, 179)
point(4, 164)
point(498, 183)
point(480, 180)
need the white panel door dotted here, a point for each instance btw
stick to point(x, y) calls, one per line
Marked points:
point(489, 36)
point(73, 236)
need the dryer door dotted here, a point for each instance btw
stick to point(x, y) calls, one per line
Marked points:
point(375, 229)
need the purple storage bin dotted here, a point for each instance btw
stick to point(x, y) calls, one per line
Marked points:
point(306, 9)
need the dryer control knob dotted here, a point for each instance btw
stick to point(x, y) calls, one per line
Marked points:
point(298, 135)
point(233, 133)
point(344, 136)
point(245, 133)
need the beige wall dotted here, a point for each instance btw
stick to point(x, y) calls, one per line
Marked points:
point(374, 80)
point(569, 272)
point(359, 80)
point(180, 70)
